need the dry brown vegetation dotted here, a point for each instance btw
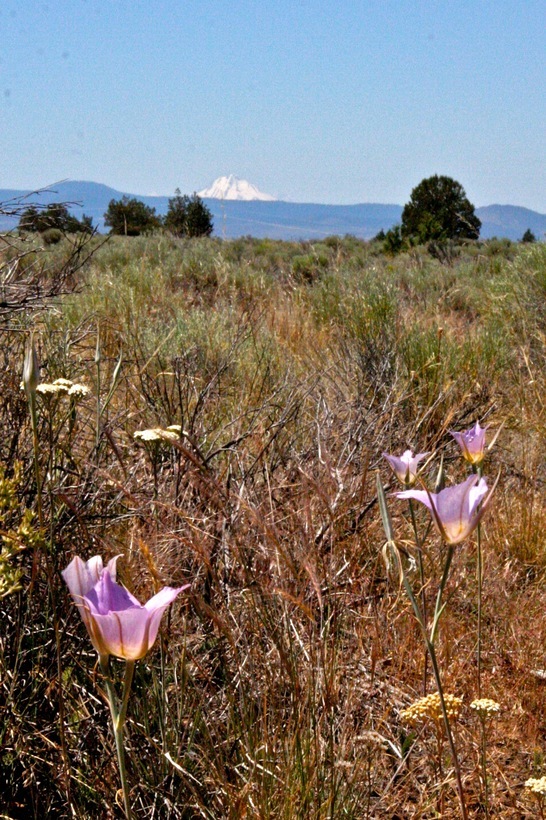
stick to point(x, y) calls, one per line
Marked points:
point(277, 687)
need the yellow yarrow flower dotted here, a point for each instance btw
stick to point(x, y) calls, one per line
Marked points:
point(430, 707)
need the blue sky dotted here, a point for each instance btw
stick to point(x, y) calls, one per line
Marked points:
point(312, 101)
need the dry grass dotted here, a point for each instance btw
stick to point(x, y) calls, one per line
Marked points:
point(277, 687)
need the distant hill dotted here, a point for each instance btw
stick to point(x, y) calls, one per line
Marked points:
point(277, 219)
point(510, 221)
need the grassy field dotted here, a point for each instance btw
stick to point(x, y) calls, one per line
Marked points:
point(278, 685)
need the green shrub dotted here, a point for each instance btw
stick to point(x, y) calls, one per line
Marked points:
point(308, 267)
point(52, 236)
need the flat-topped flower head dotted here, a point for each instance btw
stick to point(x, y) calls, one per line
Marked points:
point(405, 467)
point(431, 707)
point(46, 389)
point(117, 623)
point(151, 434)
point(62, 387)
point(472, 443)
point(537, 785)
point(78, 391)
point(169, 435)
point(485, 707)
point(172, 433)
point(457, 510)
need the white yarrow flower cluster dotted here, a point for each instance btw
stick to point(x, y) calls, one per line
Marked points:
point(62, 387)
point(537, 785)
point(485, 707)
point(171, 433)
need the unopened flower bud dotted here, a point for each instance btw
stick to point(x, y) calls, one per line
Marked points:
point(31, 369)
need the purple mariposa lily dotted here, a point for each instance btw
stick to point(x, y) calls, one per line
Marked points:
point(472, 443)
point(117, 623)
point(405, 467)
point(457, 510)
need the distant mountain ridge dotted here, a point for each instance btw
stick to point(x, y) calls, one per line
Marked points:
point(276, 219)
point(511, 221)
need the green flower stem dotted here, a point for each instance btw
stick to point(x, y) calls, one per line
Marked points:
point(98, 406)
point(36, 454)
point(429, 641)
point(439, 606)
point(118, 721)
point(479, 572)
point(421, 581)
point(484, 765)
point(127, 682)
point(36, 557)
point(450, 739)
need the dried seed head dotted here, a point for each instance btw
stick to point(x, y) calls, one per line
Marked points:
point(372, 738)
point(150, 561)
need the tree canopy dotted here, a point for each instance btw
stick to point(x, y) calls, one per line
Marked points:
point(528, 236)
point(129, 216)
point(57, 216)
point(439, 210)
point(188, 216)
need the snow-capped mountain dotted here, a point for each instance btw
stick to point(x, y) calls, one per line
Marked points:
point(232, 187)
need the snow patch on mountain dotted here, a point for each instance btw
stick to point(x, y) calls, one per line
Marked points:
point(232, 187)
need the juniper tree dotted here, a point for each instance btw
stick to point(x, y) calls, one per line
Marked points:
point(439, 210)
